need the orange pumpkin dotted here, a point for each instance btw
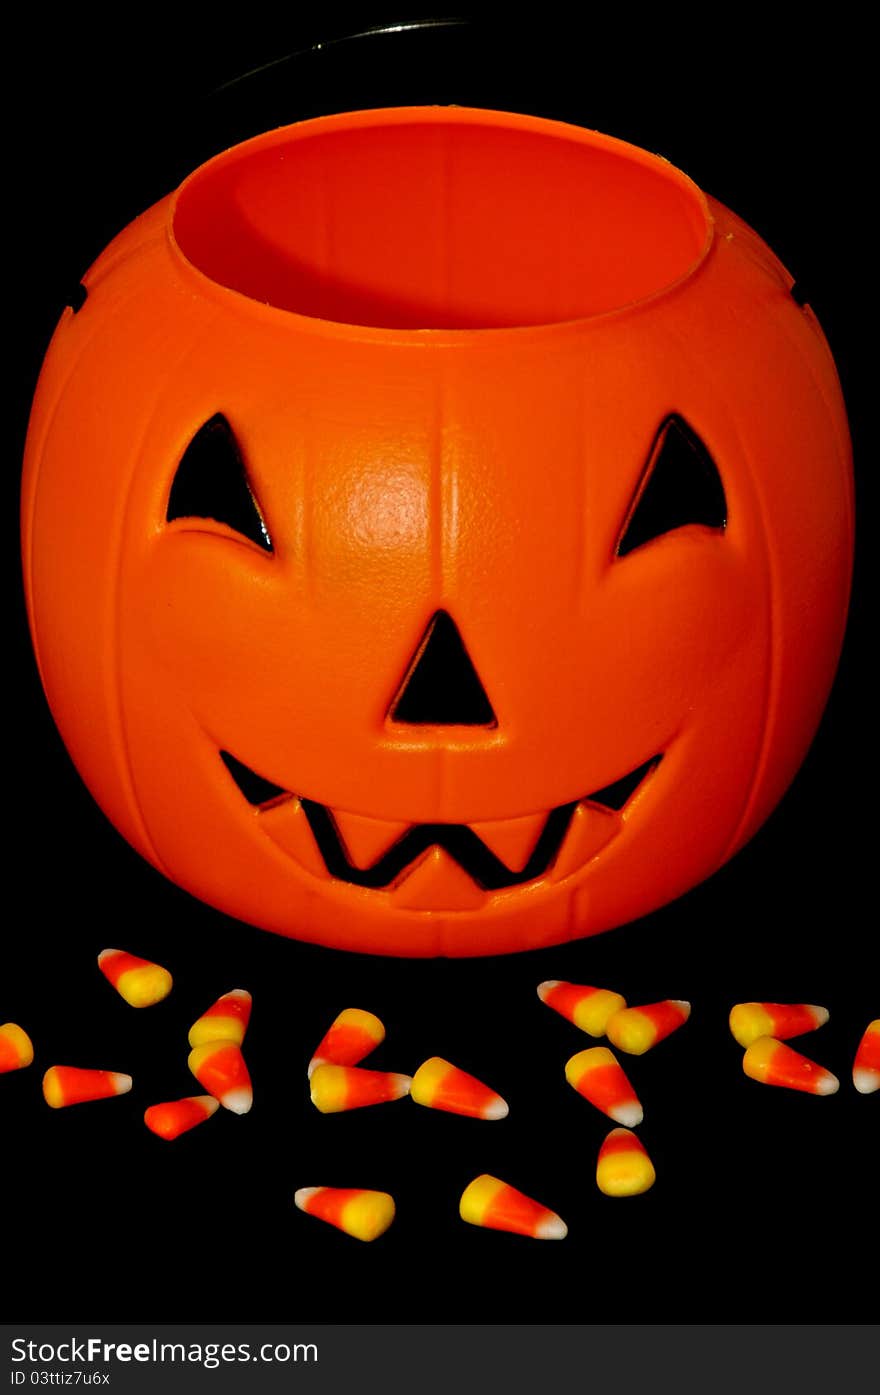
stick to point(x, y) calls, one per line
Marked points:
point(437, 531)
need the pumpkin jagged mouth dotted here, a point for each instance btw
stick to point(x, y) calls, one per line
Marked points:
point(486, 869)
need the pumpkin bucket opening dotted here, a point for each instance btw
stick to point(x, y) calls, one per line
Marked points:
point(433, 218)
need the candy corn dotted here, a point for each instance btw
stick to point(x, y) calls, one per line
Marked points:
point(16, 1048)
point(440, 1085)
point(624, 1168)
point(348, 1040)
point(636, 1029)
point(748, 1021)
point(139, 981)
point(219, 1066)
point(175, 1117)
point(363, 1214)
point(336, 1088)
point(596, 1075)
point(773, 1063)
point(866, 1067)
point(587, 1008)
point(489, 1202)
point(64, 1085)
point(225, 1020)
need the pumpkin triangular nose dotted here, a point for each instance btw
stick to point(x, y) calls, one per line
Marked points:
point(442, 687)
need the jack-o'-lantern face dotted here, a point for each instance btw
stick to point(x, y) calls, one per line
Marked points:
point(443, 695)
point(456, 642)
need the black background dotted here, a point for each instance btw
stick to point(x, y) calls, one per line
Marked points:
point(762, 1195)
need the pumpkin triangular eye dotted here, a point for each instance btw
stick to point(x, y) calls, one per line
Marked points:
point(211, 482)
point(681, 485)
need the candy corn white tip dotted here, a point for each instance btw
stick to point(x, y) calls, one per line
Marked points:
point(303, 1196)
point(683, 1005)
point(553, 1228)
point(820, 1014)
point(496, 1109)
point(237, 1101)
point(122, 1083)
point(827, 1085)
point(546, 988)
point(866, 1080)
point(630, 1115)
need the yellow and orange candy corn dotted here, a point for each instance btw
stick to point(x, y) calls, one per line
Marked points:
point(596, 1074)
point(866, 1067)
point(353, 1035)
point(65, 1085)
point(225, 1020)
point(174, 1117)
point(624, 1168)
point(16, 1048)
point(773, 1063)
point(489, 1202)
point(440, 1085)
point(748, 1021)
point(337, 1088)
point(588, 1008)
point(636, 1029)
point(139, 981)
point(219, 1067)
point(363, 1214)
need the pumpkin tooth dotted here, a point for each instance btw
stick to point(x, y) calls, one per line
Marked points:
point(512, 840)
point(620, 792)
point(590, 829)
point(287, 825)
point(437, 883)
point(366, 840)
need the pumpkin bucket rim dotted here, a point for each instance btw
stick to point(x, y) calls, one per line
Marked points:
point(269, 262)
